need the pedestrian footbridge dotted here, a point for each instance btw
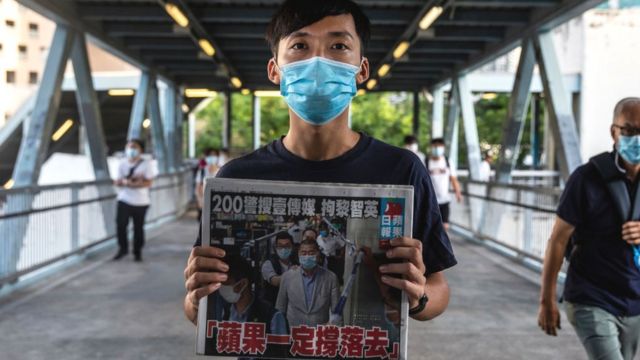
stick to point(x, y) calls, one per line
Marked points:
point(61, 297)
point(100, 309)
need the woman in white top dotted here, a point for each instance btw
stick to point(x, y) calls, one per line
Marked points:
point(135, 176)
point(211, 169)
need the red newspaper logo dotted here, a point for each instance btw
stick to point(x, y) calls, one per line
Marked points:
point(352, 341)
point(229, 337)
point(327, 341)
point(303, 340)
point(376, 343)
point(254, 338)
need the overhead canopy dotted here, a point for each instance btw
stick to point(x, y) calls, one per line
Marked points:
point(466, 34)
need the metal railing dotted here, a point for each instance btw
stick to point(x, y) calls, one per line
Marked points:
point(516, 217)
point(42, 225)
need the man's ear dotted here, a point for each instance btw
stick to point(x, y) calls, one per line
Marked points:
point(272, 71)
point(363, 74)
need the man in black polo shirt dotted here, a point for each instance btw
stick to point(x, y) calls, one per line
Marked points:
point(602, 288)
point(318, 57)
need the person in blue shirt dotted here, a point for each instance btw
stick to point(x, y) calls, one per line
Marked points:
point(318, 60)
point(602, 287)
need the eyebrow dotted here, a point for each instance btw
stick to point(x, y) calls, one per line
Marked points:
point(300, 34)
point(341, 34)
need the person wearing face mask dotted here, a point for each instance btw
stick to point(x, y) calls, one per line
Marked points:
point(276, 265)
point(308, 293)
point(318, 62)
point(411, 144)
point(443, 177)
point(135, 176)
point(240, 302)
point(209, 170)
point(601, 236)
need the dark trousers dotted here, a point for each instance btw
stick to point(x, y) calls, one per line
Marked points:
point(126, 211)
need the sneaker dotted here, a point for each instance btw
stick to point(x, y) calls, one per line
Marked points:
point(138, 258)
point(119, 256)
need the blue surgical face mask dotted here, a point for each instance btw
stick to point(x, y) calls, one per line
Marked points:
point(283, 253)
point(211, 160)
point(308, 262)
point(131, 152)
point(438, 151)
point(629, 148)
point(318, 89)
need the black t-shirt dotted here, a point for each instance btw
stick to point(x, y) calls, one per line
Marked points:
point(369, 162)
point(601, 271)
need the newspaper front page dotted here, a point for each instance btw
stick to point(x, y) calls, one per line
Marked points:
point(303, 279)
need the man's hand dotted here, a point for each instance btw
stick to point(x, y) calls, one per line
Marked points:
point(631, 232)
point(204, 274)
point(413, 280)
point(458, 197)
point(549, 317)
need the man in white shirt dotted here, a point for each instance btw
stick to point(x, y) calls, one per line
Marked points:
point(411, 144)
point(135, 175)
point(485, 167)
point(442, 175)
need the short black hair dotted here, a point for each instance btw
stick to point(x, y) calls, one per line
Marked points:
point(139, 142)
point(239, 268)
point(284, 235)
point(293, 15)
point(311, 229)
point(410, 139)
point(309, 242)
point(437, 141)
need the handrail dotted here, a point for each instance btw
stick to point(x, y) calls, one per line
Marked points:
point(32, 243)
point(36, 188)
point(517, 217)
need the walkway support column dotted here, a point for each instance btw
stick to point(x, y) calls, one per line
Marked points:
point(157, 131)
point(437, 117)
point(465, 100)
point(169, 123)
point(34, 148)
point(516, 114)
point(563, 124)
point(89, 109)
point(35, 143)
point(451, 131)
point(139, 107)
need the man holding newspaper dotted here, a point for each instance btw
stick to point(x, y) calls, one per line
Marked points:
point(318, 59)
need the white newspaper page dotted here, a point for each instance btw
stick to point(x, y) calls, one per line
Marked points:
point(304, 280)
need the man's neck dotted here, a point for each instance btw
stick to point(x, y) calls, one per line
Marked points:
point(632, 170)
point(319, 143)
point(310, 272)
point(244, 302)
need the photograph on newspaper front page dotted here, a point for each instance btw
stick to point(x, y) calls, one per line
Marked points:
point(303, 279)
